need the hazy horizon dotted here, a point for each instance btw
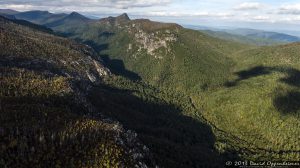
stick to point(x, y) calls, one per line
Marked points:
point(192, 25)
point(283, 16)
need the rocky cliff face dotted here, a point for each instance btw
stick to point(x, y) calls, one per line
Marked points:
point(153, 37)
point(153, 42)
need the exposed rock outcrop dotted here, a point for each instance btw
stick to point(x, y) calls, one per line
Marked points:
point(152, 42)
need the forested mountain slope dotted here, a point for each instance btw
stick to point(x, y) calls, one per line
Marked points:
point(160, 53)
point(193, 100)
point(260, 103)
point(56, 96)
point(46, 119)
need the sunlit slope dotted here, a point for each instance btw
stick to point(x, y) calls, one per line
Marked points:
point(260, 104)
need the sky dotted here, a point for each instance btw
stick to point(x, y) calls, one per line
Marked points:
point(259, 14)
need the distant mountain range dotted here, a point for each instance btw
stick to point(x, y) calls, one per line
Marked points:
point(8, 11)
point(259, 41)
point(264, 34)
point(249, 36)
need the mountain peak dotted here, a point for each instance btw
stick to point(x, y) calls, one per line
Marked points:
point(75, 15)
point(116, 20)
point(123, 17)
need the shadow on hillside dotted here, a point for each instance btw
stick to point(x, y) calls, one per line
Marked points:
point(106, 34)
point(116, 66)
point(64, 34)
point(97, 47)
point(247, 74)
point(286, 103)
point(174, 139)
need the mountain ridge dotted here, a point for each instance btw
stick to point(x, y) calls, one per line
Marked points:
point(8, 11)
point(193, 99)
point(246, 35)
point(265, 34)
point(256, 41)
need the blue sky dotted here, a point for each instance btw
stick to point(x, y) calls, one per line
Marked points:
point(261, 14)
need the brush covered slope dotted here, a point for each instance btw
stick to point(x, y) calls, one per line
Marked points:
point(45, 117)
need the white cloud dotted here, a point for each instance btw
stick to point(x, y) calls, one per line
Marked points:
point(291, 19)
point(119, 4)
point(260, 17)
point(249, 6)
point(18, 7)
point(191, 14)
point(125, 4)
point(290, 9)
point(214, 11)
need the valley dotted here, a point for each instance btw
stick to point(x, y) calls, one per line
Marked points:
point(162, 95)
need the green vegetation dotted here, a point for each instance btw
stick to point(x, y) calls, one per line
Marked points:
point(193, 100)
point(260, 104)
point(187, 64)
point(165, 121)
point(248, 114)
point(42, 125)
point(44, 120)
